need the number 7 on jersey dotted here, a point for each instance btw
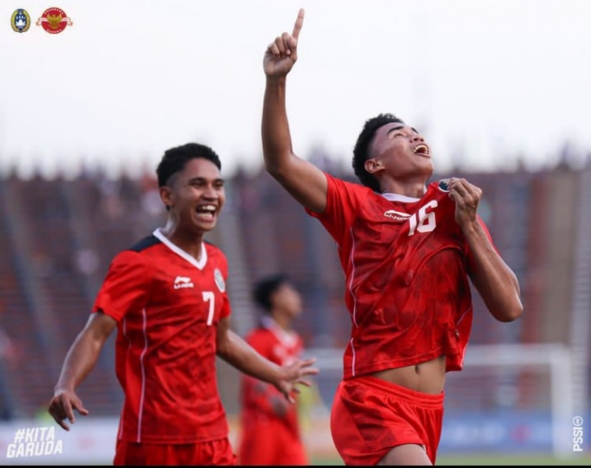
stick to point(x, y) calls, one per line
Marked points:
point(208, 296)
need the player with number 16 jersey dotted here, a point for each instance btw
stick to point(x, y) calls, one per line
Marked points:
point(389, 246)
point(408, 249)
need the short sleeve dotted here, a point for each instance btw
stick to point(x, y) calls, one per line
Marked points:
point(125, 287)
point(343, 202)
point(222, 263)
point(226, 307)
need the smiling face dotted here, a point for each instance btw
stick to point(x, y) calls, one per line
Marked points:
point(399, 151)
point(195, 196)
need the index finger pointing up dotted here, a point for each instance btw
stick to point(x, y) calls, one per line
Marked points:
point(298, 24)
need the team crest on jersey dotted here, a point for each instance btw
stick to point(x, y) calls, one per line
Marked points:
point(444, 185)
point(396, 215)
point(20, 21)
point(219, 280)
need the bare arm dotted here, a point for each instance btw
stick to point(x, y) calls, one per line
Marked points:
point(304, 181)
point(492, 277)
point(79, 361)
point(495, 281)
point(239, 354)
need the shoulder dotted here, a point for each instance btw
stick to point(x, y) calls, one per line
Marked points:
point(255, 333)
point(348, 185)
point(258, 337)
point(134, 256)
point(215, 253)
point(216, 258)
point(144, 244)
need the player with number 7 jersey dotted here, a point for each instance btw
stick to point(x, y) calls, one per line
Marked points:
point(167, 298)
point(167, 305)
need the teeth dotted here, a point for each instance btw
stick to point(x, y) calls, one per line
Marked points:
point(423, 149)
point(210, 208)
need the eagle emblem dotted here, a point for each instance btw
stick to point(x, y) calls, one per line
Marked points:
point(54, 20)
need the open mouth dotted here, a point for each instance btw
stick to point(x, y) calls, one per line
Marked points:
point(206, 212)
point(422, 150)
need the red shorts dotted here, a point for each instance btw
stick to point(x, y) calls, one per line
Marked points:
point(271, 443)
point(370, 416)
point(213, 452)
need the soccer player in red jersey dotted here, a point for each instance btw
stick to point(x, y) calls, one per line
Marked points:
point(408, 249)
point(167, 298)
point(270, 430)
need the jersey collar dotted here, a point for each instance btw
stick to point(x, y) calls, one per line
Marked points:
point(177, 250)
point(285, 337)
point(399, 198)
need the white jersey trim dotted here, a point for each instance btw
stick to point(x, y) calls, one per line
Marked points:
point(177, 250)
point(399, 198)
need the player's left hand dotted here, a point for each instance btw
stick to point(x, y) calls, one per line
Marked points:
point(466, 197)
point(293, 375)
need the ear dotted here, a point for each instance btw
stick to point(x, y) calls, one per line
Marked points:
point(166, 196)
point(373, 165)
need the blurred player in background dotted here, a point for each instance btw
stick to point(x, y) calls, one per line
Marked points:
point(167, 298)
point(408, 250)
point(270, 430)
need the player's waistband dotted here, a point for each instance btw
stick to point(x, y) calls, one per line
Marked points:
point(406, 394)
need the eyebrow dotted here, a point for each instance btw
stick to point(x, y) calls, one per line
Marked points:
point(400, 127)
point(204, 179)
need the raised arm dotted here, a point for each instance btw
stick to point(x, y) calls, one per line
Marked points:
point(306, 183)
point(495, 281)
point(80, 360)
point(239, 354)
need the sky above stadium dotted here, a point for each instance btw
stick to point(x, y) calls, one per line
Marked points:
point(129, 79)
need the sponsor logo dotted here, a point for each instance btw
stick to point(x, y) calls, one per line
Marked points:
point(396, 215)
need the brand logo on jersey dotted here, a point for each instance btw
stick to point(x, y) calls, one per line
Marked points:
point(183, 282)
point(396, 215)
point(219, 280)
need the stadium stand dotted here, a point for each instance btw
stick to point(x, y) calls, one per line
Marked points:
point(58, 236)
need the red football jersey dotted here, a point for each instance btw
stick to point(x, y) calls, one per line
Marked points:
point(406, 262)
point(282, 348)
point(168, 306)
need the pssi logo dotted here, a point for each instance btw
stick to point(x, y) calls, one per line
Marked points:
point(20, 21)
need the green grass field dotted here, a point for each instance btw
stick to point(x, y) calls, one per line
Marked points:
point(491, 459)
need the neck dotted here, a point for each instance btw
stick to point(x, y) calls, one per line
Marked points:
point(282, 320)
point(188, 241)
point(414, 188)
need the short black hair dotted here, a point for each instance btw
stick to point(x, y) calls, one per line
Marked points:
point(265, 287)
point(360, 152)
point(174, 160)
